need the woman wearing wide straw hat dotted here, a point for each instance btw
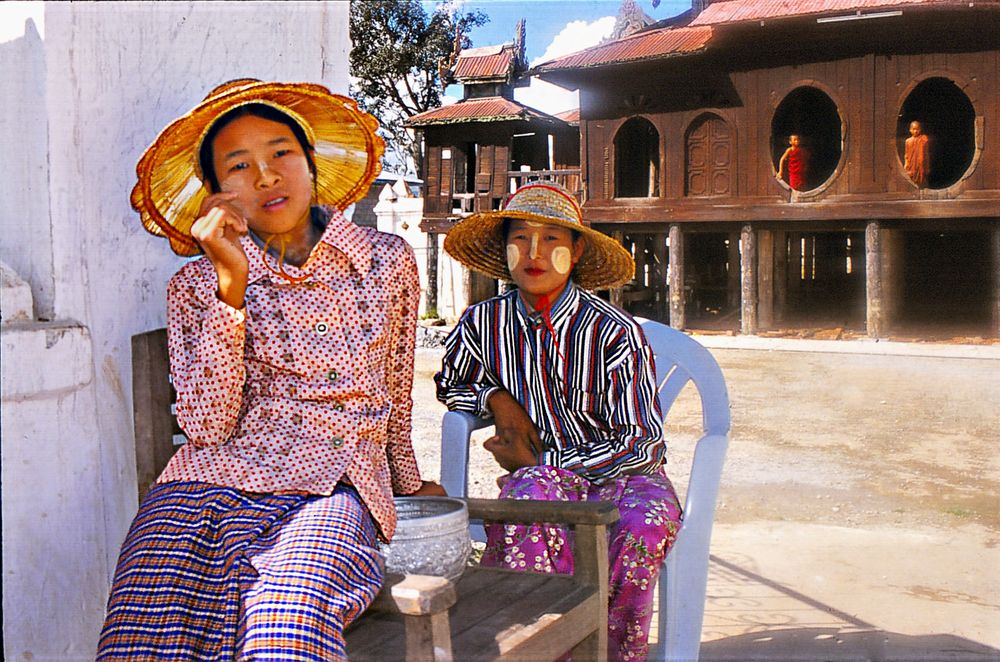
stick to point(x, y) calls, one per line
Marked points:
point(291, 351)
point(569, 381)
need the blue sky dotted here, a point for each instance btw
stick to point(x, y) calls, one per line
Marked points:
point(552, 28)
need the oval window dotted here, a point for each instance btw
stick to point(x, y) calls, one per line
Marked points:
point(806, 138)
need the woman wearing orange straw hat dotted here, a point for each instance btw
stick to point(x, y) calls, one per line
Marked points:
point(568, 379)
point(291, 351)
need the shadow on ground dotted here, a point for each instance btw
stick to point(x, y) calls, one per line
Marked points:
point(800, 644)
point(751, 617)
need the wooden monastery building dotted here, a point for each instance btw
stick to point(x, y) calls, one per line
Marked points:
point(881, 215)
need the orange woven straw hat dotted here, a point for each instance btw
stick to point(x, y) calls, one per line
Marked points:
point(347, 153)
point(477, 241)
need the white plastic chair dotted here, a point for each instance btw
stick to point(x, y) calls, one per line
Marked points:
point(679, 360)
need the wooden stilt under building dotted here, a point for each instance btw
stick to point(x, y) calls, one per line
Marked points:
point(765, 280)
point(873, 279)
point(748, 282)
point(432, 273)
point(676, 284)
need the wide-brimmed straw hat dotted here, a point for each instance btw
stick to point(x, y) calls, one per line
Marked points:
point(347, 153)
point(478, 242)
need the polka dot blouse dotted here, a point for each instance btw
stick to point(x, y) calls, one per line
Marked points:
point(310, 383)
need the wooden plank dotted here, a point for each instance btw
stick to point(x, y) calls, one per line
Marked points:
point(414, 595)
point(748, 281)
point(501, 586)
point(428, 638)
point(543, 623)
point(153, 423)
point(374, 635)
point(501, 163)
point(765, 280)
point(676, 284)
point(657, 211)
point(517, 510)
point(873, 280)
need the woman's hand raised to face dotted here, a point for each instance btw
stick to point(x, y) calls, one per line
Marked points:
point(218, 230)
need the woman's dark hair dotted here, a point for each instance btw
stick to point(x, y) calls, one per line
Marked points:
point(262, 111)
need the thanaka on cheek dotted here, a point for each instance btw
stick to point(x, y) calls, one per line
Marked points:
point(513, 257)
point(562, 259)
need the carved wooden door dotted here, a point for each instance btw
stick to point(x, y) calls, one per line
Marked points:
point(709, 157)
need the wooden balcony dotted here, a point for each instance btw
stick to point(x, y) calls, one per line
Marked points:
point(442, 210)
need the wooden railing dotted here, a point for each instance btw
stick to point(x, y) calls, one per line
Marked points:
point(568, 179)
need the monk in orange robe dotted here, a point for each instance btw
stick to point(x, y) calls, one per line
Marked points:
point(917, 156)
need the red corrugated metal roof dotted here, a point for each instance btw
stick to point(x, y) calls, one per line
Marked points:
point(571, 116)
point(641, 46)
point(487, 109)
point(492, 65)
point(734, 11)
point(669, 41)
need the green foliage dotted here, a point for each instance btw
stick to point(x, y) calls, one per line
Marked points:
point(397, 50)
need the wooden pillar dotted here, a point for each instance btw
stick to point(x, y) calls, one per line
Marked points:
point(748, 280)
point(676, 284)
point(616, 293)
point(765, 280)
point(873, 280)
point(995, 246)
point(431, 295)
point(780, 275)
point(733, 272)
point(662, 297)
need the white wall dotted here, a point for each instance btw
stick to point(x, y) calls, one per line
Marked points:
point(114, 75)
point(401, 215)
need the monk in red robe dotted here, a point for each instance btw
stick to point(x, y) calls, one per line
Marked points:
point(794, 164)
point(917, 156)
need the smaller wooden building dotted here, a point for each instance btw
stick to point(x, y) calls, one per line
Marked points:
point(479, 150)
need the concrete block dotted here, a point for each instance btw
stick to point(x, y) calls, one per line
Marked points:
point(42, 359)
point(15, 296)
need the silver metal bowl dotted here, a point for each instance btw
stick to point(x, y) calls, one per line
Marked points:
point(432, 537)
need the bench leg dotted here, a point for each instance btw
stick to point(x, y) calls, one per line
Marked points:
point(428, 638)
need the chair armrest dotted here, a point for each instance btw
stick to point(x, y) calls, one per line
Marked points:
point(414, 595)
point(589, 521)
point(528, 510)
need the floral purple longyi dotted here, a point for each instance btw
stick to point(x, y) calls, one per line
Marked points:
point(637, 545)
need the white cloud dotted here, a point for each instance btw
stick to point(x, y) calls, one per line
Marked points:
point(13, 16)
point(576, 36)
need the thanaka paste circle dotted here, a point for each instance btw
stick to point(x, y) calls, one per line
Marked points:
point(562, 259)
point(513, 257)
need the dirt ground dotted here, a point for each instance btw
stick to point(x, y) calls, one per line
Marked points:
point(859, 513)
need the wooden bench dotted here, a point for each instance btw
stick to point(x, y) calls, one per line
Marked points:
point(489, 614)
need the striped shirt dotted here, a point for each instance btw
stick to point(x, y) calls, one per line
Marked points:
point(591, 393)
